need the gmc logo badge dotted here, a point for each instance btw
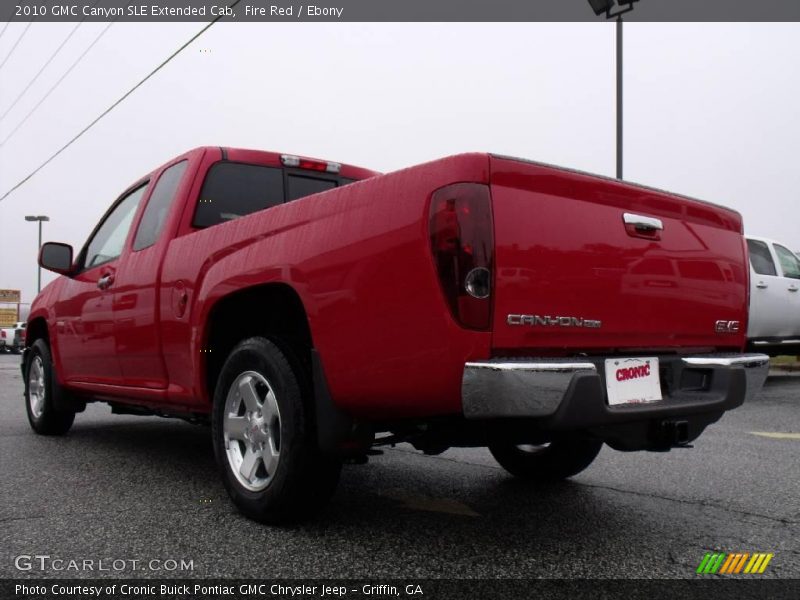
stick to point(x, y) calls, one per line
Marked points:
point(727, 326)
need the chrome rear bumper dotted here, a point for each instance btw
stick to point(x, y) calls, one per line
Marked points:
point(544, 387)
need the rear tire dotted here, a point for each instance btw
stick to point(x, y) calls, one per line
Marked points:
point(263, 437)
point(546, 463)
point(41, 390)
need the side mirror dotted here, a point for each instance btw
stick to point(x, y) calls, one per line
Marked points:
point(56, 257)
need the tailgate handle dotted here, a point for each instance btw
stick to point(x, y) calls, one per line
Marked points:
point(642, 222)
point(642, 226)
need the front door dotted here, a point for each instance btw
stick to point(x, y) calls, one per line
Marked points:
point(84, 312)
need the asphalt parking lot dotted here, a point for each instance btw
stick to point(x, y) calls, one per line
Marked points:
point(136, 488)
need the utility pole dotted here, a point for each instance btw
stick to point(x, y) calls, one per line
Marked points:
point(619, 96)
point(605, 6)
point(40, 219)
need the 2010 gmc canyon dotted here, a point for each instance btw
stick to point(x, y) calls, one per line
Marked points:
point(311, 310)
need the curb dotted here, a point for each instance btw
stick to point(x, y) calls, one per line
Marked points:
point(783, 365)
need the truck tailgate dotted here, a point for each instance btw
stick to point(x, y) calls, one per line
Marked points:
point(570, 273)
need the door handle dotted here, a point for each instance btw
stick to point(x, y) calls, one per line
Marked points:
point(793, 288)
point(761, 285)
point(105, 281)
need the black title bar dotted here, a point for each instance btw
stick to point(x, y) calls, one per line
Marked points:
point(390, 10)
point(394, 589)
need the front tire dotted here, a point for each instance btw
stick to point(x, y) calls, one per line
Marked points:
point(41, 390)
point(551, 462)
point(263, 437)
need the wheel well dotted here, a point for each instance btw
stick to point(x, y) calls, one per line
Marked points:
point(35, 330)
point(274, 311)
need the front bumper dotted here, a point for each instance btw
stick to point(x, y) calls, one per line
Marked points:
point(564, 395)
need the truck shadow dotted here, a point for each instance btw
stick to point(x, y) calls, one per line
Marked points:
point(401, 515)
point(399, 500)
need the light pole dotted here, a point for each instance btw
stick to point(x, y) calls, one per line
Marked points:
point(40, 219)
point(605, 6)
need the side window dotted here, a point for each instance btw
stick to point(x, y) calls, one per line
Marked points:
point(233, 190)
point(760, 258)
point(300, 186)
point(790, 265)
point(108, 241)
point(155, 213)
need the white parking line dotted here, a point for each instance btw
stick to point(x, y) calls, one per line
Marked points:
point(425, 503)
point(776, 435)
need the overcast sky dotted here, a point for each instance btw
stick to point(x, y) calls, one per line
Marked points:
point(711, 110)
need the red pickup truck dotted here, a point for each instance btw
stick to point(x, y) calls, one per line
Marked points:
point(311, 310)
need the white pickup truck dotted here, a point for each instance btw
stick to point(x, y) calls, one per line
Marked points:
point(12, 339)
point(774, 298)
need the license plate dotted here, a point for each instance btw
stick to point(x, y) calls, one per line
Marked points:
point(632, 380)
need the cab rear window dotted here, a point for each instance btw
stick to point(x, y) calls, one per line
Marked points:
point(232, 190)
point(300, 186)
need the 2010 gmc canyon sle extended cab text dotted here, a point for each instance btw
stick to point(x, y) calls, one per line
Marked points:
point(311, 311)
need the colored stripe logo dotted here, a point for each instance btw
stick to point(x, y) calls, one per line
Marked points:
point(720, 563)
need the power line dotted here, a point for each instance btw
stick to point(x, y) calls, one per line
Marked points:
point(55, 85)
point(113, 106)
point(19, 39)
point(14, 47)
point(44, 66)
point(62, 78)
point(5, 27)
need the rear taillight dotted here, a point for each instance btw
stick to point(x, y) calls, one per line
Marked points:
point(2, 333)
point(462, 242)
